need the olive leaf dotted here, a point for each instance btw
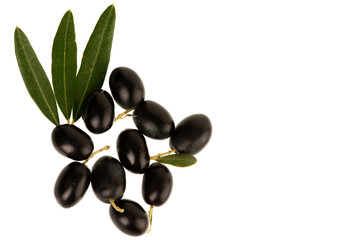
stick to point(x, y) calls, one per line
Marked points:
point(95, 60)
point(63, 67)
point(178, 160)
point(34, 76)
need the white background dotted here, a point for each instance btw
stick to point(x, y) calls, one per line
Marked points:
point(280, 81)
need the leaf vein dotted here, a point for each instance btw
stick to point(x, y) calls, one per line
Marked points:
point(37, 81)
point(64, 76)
point(91, 69)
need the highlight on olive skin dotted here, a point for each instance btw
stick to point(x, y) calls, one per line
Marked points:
point(132, 150)
point(72, 142)
point(153, 120)
point(98, 112)
point(126, 87)
point(108, 179)
point(71, 184)
point(192, 134)
point(157, 184)
point(134, 221)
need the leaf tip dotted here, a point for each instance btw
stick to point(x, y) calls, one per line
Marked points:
point(112, 7)
point(18, 31)
point(68, 13)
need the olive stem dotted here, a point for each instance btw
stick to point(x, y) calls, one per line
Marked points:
point(72, 122)
point(162, 154)
point(124, 114)
point(96, 152)
point(150, 217)
point(111, 200)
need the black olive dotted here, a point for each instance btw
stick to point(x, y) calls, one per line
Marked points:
point(98, 112)
point(132, 150)
point(133, 221)
point(108, 179)
point(153, 120)
point(157, 184)
point(126, 87)
point(72, 142)
point(192, 134)
point(71, 184)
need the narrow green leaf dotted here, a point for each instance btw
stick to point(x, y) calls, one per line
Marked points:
point(95, 60)
point(63, 67)
point(34, 76)
point(178, 160)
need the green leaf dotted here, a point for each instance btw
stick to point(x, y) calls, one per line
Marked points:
point(95, 60)
point(63, 68)
point(178, 160)
point(34, 76)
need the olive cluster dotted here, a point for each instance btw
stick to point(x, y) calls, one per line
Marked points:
point(107, 176)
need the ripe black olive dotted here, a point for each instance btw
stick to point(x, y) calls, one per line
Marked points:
point(157, 184)
point(132, 150)
point(133, 221)
point(108, 179)
point(153, 120)
point(98, 112)
point(72, 142)
point(192, 134)
point(71, 184)
point(126, 87)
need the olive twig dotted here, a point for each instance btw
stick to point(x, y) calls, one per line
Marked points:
point(150, 217)
point(124, 114)
point(130, 115)
point(162, 154)
point(96, 152)
point(111, 200)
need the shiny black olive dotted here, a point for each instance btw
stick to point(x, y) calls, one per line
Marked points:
point(157, 184)
point(153, 120)
point(71, 184)
point(133, 221)
point(192, 134)
point(98, 112)
point(126, 87)
point(108, 179)
point(132, 150)
point(72, 142)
